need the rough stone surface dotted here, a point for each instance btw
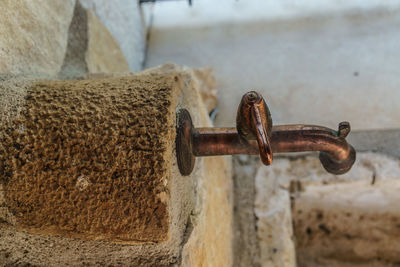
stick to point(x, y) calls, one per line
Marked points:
point(348, 223)
point(12, 97)
point(346, 220)
point(351, 220)
point(111, 135)
point(124, 20)
point(193, 203)
point(91, 47)
point(34, 35)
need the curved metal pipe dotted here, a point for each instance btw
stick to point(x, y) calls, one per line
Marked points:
point(254, 134)
point(337, 155)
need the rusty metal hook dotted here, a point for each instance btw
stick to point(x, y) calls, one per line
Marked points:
point(254, 134)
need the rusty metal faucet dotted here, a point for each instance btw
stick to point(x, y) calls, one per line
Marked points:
point(254, 134)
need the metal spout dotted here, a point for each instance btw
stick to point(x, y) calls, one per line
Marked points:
point(254, 134)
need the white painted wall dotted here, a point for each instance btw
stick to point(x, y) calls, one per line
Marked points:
point(317, 62)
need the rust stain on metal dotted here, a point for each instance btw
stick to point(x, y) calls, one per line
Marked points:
point(254, 134)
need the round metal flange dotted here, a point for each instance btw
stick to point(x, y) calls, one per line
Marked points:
point(184, 154)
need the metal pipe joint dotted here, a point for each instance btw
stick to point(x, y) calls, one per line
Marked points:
point(254, 134)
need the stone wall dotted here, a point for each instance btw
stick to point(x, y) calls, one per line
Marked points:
point(85, 178)
point(74, 37)
point(297, 213)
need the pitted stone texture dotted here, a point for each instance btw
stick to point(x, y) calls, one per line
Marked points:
point(34, 35)
point(193, 202)
point(111, 133)
point(54, 130)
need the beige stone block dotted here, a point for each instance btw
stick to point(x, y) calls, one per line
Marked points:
point(351, 219)
point(91, 47)
point(96, 180)
point(103, 53)
point(348, 223)
point(210, 241)
point(34, 35)
point(124, 19)
point(345, 220)
point(208, 88)
point(208, 238)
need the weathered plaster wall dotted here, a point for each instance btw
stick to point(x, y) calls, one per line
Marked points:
point(315, 61)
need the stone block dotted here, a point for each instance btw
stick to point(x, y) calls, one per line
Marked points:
point(124, 19)
point(91, 48)
point(89, 175)
point(34, 35)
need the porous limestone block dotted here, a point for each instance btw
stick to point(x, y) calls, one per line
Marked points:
point(34, 35)
point(89, 175)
